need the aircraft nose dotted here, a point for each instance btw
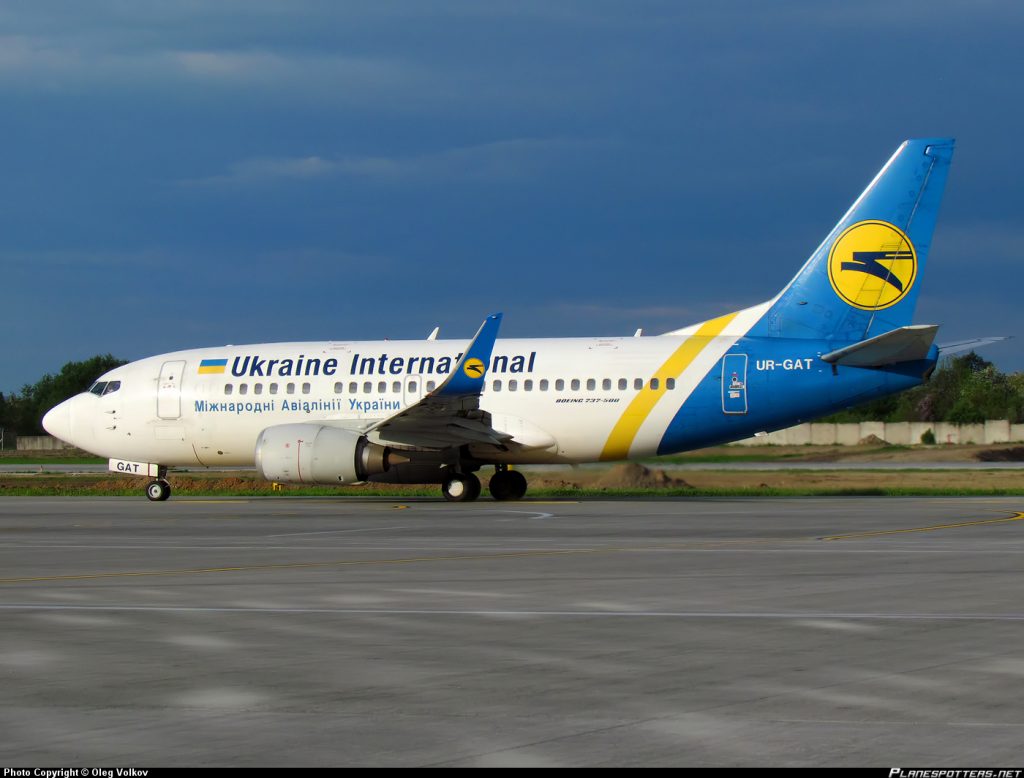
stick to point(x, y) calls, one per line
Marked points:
point(57, 421)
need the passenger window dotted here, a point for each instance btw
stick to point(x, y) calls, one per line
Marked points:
point(367, 387)
point(353, 387)
point(559, 385)
point(623, 384)
point(243, 388)
point(290, 388)
point(638, 383)
point(496, 385)
point(575, 385)
point(382, 386)
point(339, 387)
point(396, 387)
point(543, 384)
point(305, 388)
point(654, 383)
point(228, 388)
point(431, 385)
point(606, 384)
point(513, 385)
point(528, 385)
point(412, 387)
point(257, 389)
point(273, 388)
point(591, 384)
point(670, 383)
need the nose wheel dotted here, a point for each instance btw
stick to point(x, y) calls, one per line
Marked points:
point(158, 491)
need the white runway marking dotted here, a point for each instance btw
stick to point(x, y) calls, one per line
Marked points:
point(532, 515)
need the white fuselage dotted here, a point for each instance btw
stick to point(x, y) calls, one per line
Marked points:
point(568, 400)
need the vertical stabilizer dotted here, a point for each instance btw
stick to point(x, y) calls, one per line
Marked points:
point(864, 278)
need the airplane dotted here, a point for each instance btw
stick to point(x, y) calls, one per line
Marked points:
point(437, 411)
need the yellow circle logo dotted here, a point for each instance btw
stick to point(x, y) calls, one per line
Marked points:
point(474, 368)
point(872, 265)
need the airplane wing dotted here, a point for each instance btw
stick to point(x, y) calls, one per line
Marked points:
point(450, 415)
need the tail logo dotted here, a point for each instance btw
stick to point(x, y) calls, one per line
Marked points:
point(474, 368)
point(872, 265)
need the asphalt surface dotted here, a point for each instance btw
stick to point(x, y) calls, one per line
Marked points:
point(275, 632)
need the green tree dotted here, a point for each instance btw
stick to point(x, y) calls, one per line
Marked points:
point(965, 389)
point(22, 412)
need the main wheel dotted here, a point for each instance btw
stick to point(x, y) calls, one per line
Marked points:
point(507, 485)
point(158, 491)
point(461, 487)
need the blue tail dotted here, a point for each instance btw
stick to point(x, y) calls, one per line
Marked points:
point(863, 280)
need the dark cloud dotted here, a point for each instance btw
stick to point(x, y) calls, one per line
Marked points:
point(184, 173)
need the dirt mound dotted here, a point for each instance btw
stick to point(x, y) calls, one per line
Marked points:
point(633, 475)
point(872, 440)
point(1014, 454)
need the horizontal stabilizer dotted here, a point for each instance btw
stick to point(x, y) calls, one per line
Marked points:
point(905, 344)
point(960, 346)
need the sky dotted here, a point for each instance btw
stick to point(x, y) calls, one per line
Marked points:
point(184, 174)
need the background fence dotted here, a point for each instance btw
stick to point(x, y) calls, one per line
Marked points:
point(904, 433)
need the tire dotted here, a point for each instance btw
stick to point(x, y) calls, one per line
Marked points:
point(499, 486)
point(158, 491)
point(517, 482)
point(507, 485)
point(461, 487)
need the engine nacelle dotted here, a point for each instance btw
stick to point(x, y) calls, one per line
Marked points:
point(315, 454)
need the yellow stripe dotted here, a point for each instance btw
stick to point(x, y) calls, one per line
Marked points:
point(213, 369)
point(1015, 517)
point(621, 438)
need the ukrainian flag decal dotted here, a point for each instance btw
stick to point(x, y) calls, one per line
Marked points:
point(209, 366)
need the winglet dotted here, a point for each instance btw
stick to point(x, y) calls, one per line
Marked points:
point(468, 376)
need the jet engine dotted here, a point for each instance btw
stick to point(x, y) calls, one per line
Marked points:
point(315, 454)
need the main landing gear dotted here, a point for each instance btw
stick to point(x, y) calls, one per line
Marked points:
point(460, 487)
point(465, 487)
point(507, 484)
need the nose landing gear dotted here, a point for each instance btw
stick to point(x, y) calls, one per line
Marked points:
point(158, 491)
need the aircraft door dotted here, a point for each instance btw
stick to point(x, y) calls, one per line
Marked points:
point(413, 389)
point(734, 383)
point(168, 396)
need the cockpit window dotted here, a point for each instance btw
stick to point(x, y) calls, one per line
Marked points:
point(101, 388)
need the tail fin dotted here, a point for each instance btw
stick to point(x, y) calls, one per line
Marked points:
point(864, 278)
